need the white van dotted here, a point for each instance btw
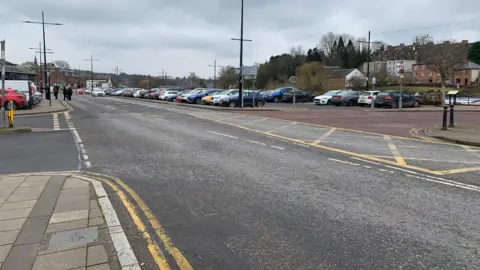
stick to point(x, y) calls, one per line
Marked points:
point(25, 87)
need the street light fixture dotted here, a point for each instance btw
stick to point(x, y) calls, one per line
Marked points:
point(91, 66)
point(45, 51)
point(215, 73)
point(40, 66)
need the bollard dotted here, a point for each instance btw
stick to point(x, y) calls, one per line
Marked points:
point(451, 117)
point(444, 122)
point(10, 115)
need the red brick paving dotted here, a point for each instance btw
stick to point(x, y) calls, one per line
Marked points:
point(391, 123)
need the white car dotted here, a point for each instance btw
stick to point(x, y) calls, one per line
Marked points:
point(325, 98)
point(137, 93)
point(366, 97)
point(216, 98)
point(98, 93)
point(87, 90)
point(168, 95)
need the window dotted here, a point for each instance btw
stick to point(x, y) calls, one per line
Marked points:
point(423, 66)
point(430, 74)
point(421, 75)
point(415, 67)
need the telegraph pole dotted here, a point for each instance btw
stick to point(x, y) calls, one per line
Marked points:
point(241, 39)
point(43, 23)
point(215, 73)
point(40, 52)
point(117, 70)
point(91, 67)
point(164, 77)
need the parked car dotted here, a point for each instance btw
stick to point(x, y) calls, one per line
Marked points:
point(98, 92)
point(249, 97)
point(366, 97)
point(215, 100)
point(168, 95)
point(348, 98)
point(87, 90)
point(184, 96)
point(197, 97)
point(136, 93)
point(118, 92)
point(300, 96)
point(109, 92)
point(127, 93)
point(19, 99)
point(326, 98)
point(79, 91)
point(23, 86)
point(207, 99)
point(391, 98)
point(277, 94)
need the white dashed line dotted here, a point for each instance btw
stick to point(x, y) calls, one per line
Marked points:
point(56, 124)
point(342, 161)
point(368, 161)
point(82, 153)
point(88, 164)
point(277, 147)
point(306, 146)
point(163, 120)
point(447, 182)
point(256, 142)
point(221, 134)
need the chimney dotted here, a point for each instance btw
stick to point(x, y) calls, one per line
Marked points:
point(464, 41)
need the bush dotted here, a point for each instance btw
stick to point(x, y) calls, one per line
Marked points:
point(430, 98)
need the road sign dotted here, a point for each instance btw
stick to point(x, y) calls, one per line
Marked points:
point(249, 72)
point(374, 80)
point(401, 75)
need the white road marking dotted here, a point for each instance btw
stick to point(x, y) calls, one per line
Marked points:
point(368, 167)
point(256, 121)
point(82, 155)
point(56, 124)
point(256, 142)
point(277, 147)
point(85, 157)
point(88, 164)
point(49, 129)
point(163, 120)
point(342, 161)
point(306, 146)
point(448, 183)
point(221, 134)
point(368, 161)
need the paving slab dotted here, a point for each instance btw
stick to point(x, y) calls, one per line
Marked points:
point(4, 250)
point(12, 224)
point(15, 213)
point(66, 226)
point(61, 260)
point(18, 205)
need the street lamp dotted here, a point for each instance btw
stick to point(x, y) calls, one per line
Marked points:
point(91, 66)
point(241, 39)
point(40, 66)
point(45, 50)
point(215, 73)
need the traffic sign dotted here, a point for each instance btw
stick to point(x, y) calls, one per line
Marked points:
point(292, 80)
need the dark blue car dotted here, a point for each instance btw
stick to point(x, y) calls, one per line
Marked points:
point(277, 94)
point(197, 96)
point(250, 99)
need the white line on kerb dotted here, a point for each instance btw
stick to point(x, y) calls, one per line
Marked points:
point(88, 164)
point(342, 161)
point(277, 147)
point(221, 134)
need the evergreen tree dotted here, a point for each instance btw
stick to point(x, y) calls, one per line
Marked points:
point(310, 55)
point(341, 53)
point(35, 62)
point(474, 53)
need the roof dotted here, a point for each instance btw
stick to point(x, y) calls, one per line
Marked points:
point(338, 73)
point(12, 68)
point(468, 65)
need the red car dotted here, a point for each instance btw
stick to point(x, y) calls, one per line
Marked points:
point(19, 99)
point(80, 92)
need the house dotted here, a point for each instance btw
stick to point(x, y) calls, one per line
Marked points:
point(19, 72)
point(464, 74)
point(352, 77)
point(390, 67)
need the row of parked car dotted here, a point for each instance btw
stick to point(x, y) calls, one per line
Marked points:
point(386, 98)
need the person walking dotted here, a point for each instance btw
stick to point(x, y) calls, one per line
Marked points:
point(69, 92)
point(64, 93)
point(55, 91)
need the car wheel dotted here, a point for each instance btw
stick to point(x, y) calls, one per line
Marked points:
point(260, 103)
point(415, 104)
point(393, 105)
point(165, 99)
point(328, 102)
point(350, 103)
point(198, 101)
point(232, 105)
point(276, 99)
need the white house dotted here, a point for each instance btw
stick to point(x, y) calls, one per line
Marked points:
point(352, 76)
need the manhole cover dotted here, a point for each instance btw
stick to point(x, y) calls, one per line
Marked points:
point(73, 238)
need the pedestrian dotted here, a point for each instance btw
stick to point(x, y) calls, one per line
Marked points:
point(64, 92)
point(55, 91)
point(69, 92)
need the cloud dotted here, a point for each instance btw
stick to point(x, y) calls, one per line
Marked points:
point(146, 36)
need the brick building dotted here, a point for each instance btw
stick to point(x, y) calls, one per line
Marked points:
point(65, 77)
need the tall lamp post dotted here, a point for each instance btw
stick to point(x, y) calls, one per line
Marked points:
point(215, 73)
point(43, 23)
point(241, 39)
point(40, 52)
point(91, 67)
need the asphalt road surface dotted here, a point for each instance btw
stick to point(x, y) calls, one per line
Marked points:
point(235, 191)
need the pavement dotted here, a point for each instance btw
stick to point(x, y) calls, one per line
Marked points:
point(43, 108)
point(59, 221)
point(466, 135)
point(221, 190)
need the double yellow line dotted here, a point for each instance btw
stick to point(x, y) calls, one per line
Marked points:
point(155, 251)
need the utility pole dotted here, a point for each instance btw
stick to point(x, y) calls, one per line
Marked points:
point(241, 39)
point(368, 64)
point(91, 67)
point(2, 105)
point(40, 52)
point(164, 77)
point(117, 70)
point(215, 73)
point(45, 52)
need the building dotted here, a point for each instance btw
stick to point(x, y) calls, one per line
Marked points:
point(390, 67)
point(464, 74)
point(424, 74)
point(71, 77)
point(351, 77)
point(100, 81)
point(19, 72)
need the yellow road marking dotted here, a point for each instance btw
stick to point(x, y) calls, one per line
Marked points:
point(370, 157)
point(324, 136)
point(461, 170)
point(393, 148)
point(182, 262)
point(153, 248)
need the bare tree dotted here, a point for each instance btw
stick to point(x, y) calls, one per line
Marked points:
point(419, 46)
point(61, 64)
point(228, 76)
point(327, 43)
point(442, 58)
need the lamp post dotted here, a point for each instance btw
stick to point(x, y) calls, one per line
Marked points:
point(241, 39)
point(91, 67)
point(215, 73)
point(40, 52)
point(43, 23)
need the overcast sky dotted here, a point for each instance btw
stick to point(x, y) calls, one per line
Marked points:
point(182, 36)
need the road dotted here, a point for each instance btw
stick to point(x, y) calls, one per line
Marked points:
point(236, 191)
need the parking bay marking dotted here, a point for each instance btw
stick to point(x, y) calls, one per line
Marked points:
point(324, 136)
point(393, 148)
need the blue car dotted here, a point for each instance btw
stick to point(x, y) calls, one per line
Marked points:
point(197, 96)
point(250, 99)
point(277, 94)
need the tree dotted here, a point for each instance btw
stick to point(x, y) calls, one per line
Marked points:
point(35, 62)
point(328, 43)
point(228, 76)
point(474, 53)
point(145, 84)
point(443, 57)
point(61, 64)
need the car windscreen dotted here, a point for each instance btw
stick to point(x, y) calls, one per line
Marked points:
point(343, 93)
point(365, 94)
